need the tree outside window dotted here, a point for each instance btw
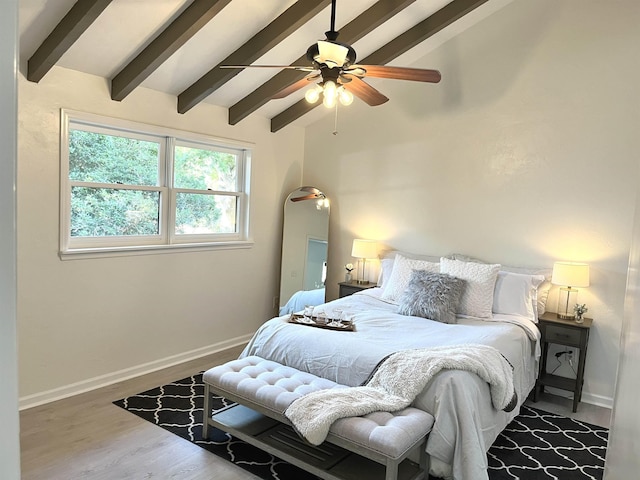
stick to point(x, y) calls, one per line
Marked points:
point(128, 187)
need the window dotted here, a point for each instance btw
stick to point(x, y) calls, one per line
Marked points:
point(128, 186)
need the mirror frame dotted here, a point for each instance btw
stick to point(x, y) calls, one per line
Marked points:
point(305, 223)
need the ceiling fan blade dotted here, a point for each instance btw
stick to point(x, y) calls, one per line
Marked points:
point(365, 92)
point(398, 73)
point(306, 197)
point(295, 86)
point(301, 68)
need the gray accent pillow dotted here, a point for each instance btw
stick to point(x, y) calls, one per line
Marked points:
point(432, 295)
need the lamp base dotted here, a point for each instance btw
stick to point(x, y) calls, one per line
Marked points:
point(567, 298)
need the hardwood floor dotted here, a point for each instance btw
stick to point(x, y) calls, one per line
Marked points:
point(587, 412)
point(87, 437)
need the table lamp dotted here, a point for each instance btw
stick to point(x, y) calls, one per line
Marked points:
point(362, 250)
point(569, 275)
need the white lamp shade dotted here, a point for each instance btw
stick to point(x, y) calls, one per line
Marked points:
point(570, 274)
point(329, 52)
point(364, 248)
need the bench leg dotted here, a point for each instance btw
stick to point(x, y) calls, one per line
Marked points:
point(206, 412)
point(391, 470)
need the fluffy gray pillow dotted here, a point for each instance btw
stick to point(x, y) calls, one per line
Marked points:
point(432, 295)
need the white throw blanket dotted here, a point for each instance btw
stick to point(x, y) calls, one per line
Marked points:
point(396, 382)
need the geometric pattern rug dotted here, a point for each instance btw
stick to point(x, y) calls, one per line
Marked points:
point(536, 445)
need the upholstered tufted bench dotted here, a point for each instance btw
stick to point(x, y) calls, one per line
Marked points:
point(372, 446)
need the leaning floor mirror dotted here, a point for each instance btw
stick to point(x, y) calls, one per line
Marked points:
point(305, 243)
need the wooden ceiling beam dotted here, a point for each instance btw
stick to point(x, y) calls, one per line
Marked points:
point(66, 32)
point(365, 23)
point(188, 23)
point(430, 26)
point(283, 26)
point(396, 47)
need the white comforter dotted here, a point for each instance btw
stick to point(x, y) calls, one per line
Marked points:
point(466, 424)
point(302, 298)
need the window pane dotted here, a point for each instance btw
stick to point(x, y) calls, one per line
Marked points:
point(200, 169)
point(101, 158)
point(200, 213)
point(104, 212)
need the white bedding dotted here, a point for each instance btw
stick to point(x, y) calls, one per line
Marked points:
point(302, 298)
point(466, 423)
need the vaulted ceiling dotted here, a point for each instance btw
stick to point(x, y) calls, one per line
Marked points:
point(178, 46)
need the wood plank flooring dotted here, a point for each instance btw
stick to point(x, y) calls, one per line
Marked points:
point(87, 437)
point(587, 412)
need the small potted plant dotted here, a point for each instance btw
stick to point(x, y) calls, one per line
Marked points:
point(349, 268)
point(580, 310)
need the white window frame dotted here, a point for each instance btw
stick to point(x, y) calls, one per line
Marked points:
point(166, 240)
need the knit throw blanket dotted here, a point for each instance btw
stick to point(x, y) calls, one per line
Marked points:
point(396, 382)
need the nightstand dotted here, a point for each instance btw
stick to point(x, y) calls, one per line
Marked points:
point(349, 288)
point(570, 334)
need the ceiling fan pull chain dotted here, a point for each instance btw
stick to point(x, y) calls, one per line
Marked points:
point(335, 121)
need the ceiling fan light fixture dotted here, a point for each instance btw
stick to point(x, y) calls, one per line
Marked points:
point(331, 52)
point(345, 96)
point(330, 94)
point(313, 94)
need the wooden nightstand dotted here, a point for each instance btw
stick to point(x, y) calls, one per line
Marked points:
point(570, 334)
point(349, 288)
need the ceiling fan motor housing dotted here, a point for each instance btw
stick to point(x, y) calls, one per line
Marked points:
point(332, 74)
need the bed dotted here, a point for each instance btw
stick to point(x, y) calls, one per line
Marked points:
point(302, 298)
point(466, 423)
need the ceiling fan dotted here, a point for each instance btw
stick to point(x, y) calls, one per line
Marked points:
point(313, 194)
point(333, 63)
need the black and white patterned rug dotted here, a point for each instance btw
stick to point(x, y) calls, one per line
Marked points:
point(536, 445)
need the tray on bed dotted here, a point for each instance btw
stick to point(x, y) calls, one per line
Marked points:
point(333, 324)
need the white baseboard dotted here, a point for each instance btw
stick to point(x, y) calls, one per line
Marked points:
point(598, 400)
point(70, 390)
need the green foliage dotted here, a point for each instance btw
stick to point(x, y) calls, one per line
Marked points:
point(200, 169)
point(102, 212)
point(109, 211)
point(100, 158)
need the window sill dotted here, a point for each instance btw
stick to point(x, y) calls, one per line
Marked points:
point(87, 253)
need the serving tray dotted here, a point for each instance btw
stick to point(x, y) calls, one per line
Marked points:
point(333, 324)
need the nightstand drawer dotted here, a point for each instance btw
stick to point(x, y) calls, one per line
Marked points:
point(562, 335)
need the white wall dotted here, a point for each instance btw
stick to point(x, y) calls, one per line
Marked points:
point(624, 441)
point(9, 433)
point(90, 321)
point(525, 153)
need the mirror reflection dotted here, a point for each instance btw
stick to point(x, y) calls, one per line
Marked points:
point(305, 242)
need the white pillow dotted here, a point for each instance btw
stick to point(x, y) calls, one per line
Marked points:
point(477, 298)
point(516, 294)
point(398, 281)
point(386, 267)
point(543, 290)
point(543, 296)
point(388, 258)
